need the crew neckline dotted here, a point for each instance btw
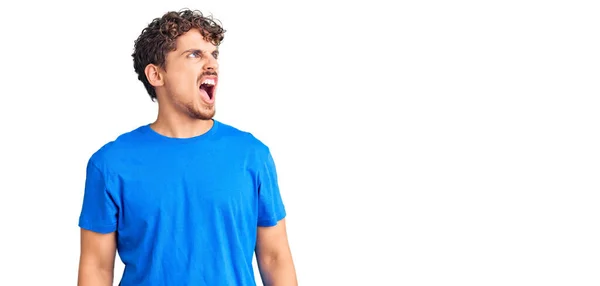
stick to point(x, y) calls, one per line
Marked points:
point(157, 136)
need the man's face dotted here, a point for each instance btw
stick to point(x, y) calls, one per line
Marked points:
point(190, 75)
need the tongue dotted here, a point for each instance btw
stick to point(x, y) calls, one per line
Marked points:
point(204, 95)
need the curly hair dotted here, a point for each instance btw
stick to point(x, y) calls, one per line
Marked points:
point(159, 38)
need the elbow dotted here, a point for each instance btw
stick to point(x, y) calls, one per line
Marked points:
point(92, 273)
point(275, 258)
point(277, 269)
point(266, 261)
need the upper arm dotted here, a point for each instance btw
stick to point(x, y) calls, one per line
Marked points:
point(98, 220)
point(271, 209)
point(98, 250)
point(272, 242)
point(274, 257)
point(99, 209)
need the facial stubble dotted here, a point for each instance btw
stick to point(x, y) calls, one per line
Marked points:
point(202, 113)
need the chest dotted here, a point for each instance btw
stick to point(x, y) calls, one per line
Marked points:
point(186, 189)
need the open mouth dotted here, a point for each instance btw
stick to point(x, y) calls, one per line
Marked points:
point(208, 85)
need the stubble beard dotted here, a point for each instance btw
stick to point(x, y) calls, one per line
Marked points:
point(202, 113)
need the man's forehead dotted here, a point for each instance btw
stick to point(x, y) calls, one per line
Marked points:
point(194, 40)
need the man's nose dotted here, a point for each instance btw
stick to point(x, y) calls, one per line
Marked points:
point(211, 64)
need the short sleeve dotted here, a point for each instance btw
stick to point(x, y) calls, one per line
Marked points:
point(270, 204)
point(99, 211)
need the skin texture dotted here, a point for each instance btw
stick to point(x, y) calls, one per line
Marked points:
point(274, 257)
point(97, 259)
point(183, 113)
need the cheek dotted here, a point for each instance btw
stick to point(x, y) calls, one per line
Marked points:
point(183, 81)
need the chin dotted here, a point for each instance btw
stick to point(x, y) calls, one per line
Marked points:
point(202, 113)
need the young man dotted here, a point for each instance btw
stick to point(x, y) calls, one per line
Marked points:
point(185, 200)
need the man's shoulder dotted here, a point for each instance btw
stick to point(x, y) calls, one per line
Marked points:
point(243, 137)
point(117, 147)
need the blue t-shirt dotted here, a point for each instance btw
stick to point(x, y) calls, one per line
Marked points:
point(186, 211)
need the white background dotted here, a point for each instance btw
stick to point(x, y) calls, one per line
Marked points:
point(430, 143)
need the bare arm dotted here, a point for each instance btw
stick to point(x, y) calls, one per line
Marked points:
point(274, 257)
point(97, 259)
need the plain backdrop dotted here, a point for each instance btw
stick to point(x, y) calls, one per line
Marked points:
point(417, 142)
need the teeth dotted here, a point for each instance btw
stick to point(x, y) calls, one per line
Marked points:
point(209, 81)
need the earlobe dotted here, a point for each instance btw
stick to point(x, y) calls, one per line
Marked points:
point(153, 75)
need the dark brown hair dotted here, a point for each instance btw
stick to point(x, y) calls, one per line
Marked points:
point(159, 38)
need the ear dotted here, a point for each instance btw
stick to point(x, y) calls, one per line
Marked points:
point(153, 75)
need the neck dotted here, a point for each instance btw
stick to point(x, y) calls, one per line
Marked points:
point(176, 125)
